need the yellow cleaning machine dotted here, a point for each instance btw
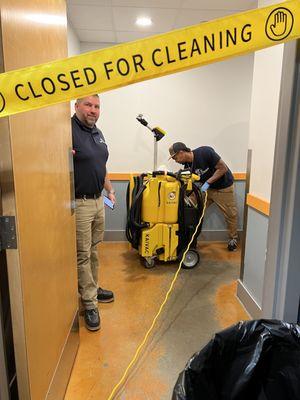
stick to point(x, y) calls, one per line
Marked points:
point(163, 210)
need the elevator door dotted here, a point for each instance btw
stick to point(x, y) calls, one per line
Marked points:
point(35, 183)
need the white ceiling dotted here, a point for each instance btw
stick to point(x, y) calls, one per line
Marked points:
point(113, 21)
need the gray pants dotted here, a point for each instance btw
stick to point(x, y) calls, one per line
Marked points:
point(89, 232)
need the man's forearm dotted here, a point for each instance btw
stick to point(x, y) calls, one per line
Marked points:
point(217, 175)
point(108, 186)
point(221, 169)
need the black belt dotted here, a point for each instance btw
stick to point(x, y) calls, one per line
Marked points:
point(88, 196)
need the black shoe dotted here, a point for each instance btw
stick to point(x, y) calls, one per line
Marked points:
point(232, 245)
point(104, 296)
point(92, 319)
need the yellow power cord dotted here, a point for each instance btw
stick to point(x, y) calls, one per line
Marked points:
point(111, 396)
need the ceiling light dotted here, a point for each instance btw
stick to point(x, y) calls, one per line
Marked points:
point(143, 21)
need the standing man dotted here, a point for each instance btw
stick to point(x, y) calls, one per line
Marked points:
point(90, 157)
point(216, 179)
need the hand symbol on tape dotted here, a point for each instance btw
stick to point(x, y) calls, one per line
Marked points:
point(279, 26)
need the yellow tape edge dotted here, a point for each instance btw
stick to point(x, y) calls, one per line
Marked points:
point(61, 97)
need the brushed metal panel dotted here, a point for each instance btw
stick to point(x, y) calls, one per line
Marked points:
point(284, 184)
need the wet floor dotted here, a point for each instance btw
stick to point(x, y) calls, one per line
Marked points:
point(202, 302)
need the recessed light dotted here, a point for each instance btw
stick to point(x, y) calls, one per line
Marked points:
point(143, 21)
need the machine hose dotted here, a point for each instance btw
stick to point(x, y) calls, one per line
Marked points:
point(186, 231)
point(134, 224)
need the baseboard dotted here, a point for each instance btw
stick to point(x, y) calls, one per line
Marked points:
point(250, 304)
point(206, 236)
point(63, 371)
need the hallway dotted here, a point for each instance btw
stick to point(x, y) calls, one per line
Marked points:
point(202, 302)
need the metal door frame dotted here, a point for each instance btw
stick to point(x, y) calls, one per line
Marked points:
point(282, 273)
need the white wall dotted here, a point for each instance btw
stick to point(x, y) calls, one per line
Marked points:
point(73, 41)
point(263, 122)
point(73, 50)
point(205, 106)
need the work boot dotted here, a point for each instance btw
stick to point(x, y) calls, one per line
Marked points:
point(105, 296)
point(92, 319)
point(232, 245)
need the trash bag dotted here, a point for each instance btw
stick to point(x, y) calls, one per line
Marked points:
point(255, 360)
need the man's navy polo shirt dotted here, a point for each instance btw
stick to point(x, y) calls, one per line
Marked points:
point(205, 160)
point(90, 157)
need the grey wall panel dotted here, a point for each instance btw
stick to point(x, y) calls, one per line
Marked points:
point(116, 219)
point(240, 188)
point(214, 227)
point(255, 254)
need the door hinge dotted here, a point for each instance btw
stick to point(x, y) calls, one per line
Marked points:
point(8, 237)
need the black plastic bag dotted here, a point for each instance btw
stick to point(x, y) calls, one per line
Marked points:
point(255, 360)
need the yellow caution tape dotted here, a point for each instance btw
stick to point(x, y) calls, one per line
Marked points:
point(110, 68)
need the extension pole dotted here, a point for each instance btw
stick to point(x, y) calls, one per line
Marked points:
point(155, 155)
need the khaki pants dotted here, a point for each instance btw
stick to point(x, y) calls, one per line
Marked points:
point(89, 232)
point(225, 200)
